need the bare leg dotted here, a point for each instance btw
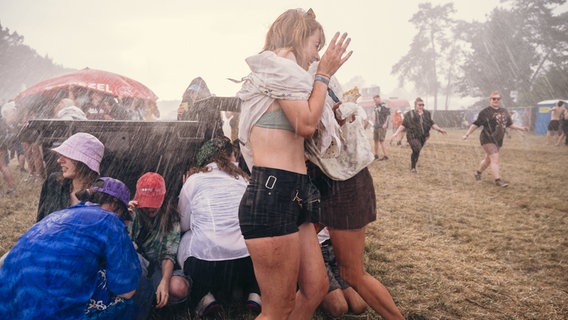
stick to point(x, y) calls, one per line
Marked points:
point(376, 148)
point(312, 279)
point(349, 246)
point(354, 301)
point(276, 262)
point(484, 163)
point(38, 158)
point(179, 288)
point(548, 133)
point(494, 165)
point(8, 178)
point(29, 158)
point(382, 143)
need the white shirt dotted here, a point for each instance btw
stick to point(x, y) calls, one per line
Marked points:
point(209, 209)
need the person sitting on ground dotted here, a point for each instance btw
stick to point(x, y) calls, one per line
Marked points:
point(155, 232)
point(212, 249)
point(104, 304)
point(80, 158)
point(53, 269)
point(340, 297)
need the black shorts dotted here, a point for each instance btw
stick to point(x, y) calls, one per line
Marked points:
point(346, 205)
point(276, 202)
point(553, 125)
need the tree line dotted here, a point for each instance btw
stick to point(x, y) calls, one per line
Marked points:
point(21, 65)
point(520, 50)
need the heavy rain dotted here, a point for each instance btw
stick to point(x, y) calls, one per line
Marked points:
point(469, 176)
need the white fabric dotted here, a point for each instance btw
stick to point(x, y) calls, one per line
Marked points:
point(323, 235)
point(272, 77)
point(355, 150)
point(209, 208)
point(71, 113)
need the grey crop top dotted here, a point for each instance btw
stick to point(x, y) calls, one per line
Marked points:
point(275, 120)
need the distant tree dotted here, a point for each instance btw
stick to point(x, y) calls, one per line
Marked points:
point(514, 50)
point(553, 84)
point(422, 64)
point(21, 66)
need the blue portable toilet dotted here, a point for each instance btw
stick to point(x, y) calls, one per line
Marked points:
point(543, 115)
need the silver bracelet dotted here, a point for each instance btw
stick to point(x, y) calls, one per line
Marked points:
point(322, 79)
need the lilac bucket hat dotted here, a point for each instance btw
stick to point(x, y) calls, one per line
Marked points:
point(83, 147)
point(113, 187)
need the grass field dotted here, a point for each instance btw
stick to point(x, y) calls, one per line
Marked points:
point(446, 246)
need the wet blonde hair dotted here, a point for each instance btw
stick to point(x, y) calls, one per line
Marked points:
point(494, 93)
point(291, 30)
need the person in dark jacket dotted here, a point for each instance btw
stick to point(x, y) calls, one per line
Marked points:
point(417, 124)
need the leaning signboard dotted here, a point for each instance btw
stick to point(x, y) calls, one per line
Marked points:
point(135, 147)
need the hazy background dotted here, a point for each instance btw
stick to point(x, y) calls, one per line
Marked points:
point(166, 44)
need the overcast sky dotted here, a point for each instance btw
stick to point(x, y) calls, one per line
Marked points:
point(165, 44)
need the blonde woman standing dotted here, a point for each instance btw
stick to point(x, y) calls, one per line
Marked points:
point(282, 105)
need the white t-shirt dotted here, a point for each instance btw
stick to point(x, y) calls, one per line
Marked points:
point(209, 209)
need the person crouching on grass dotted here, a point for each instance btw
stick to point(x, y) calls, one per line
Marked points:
point(155, 232)
point(54, 270)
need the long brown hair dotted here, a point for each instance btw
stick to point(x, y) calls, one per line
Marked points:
point(291, 30)
point(223, 160)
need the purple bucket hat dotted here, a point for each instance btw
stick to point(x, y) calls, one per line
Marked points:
point(83, 147)
point(113, 187)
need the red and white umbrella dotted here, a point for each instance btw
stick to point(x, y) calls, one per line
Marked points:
point(103, 81)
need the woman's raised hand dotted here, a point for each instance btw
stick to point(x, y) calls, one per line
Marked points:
point(335, 55)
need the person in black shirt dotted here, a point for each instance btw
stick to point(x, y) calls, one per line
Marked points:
point(495, 120)
point(417, 124)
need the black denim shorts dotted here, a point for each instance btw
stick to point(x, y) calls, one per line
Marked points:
point(276, 202)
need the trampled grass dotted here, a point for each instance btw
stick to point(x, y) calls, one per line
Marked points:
point(446, 246)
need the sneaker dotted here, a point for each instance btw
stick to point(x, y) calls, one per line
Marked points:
point(477, 176)
point(413, 170)
point(376, 157)
point(253, 303)
point(207, 305)
point(213, 311)
point(384, 158)
point(501, 183)
point(10, 192)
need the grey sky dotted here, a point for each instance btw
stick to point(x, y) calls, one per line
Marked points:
point(165, 44)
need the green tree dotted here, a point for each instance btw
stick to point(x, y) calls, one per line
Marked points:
point(516, 50)
point(423, 63)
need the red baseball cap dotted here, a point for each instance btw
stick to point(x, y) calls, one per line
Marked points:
point(150, 190)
